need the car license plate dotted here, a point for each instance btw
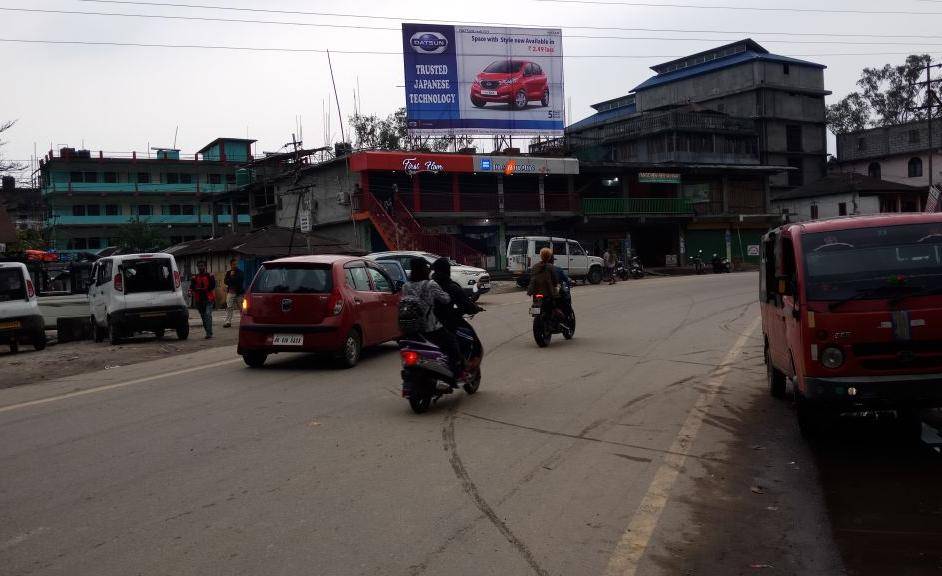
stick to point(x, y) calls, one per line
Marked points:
point(288, 340)
point(9, 325)
point(489, 92)
point(535, 311)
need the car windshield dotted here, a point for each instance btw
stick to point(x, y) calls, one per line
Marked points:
point(503, 67)
point(152, 275)
point(12, 286)
point(293, 280)
point(872, 263)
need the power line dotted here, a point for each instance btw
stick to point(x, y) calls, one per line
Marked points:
point(386, 28)
point(744, 8)
point(481, 23)
point(386, 53)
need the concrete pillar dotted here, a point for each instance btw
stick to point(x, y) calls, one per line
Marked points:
point(500, 193)
point(767, 193)
point(725, 194)
point(233, 213)
point(542, 187)
point(501, 246)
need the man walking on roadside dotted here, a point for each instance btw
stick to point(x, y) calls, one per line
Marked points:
point(203, 288)
point(610, 261)
point(235, 288)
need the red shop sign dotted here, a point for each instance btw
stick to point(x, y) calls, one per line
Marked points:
point(411, 163)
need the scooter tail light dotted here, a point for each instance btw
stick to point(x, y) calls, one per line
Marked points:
point(119, 282)
point(539, 296)
point(409, 357)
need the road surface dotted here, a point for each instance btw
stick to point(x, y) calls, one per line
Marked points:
point(646, 445)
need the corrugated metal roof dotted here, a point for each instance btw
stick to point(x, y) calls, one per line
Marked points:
point(602, 117)
point(718, 65)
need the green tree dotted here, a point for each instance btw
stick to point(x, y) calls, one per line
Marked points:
point(392, 133)
point(140, 236)
point(849, 115)
point(6, 165)
point(27, 240)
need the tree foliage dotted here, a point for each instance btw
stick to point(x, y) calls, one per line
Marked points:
point(887, 96)
point(392, 133)
point(140, 236)
point(5, 165)
point(28, 239)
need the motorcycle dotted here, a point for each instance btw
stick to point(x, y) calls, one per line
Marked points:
point(426, 376)
point(622, 272)
point(720, 265)
point(698, 262)
point(549, 318)
point(635, 267)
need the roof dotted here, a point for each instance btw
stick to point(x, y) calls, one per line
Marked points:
point(603, 117)
point(271, 242)
point(219, 140)
point(868, 221)
point(754, 52)
point(847, 183)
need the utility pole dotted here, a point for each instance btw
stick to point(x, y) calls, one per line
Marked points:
point(931, 102)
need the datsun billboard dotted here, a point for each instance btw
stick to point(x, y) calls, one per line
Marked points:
point(483, 80)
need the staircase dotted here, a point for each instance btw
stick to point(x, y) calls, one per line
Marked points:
point(401, 231)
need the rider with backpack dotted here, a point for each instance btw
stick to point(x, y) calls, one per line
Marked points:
point(417, 312)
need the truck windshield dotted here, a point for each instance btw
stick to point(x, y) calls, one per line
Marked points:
point(11, 285)
point(873, 263)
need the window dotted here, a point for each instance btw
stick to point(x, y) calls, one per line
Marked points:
point(288, 279)
point(173, 209)
point(915, 167)
point(785, 211)
point(358, 279)
point(380, 282)
point(559, 248)
point(143, 177)
point(575, 249)
point(214, 178)
point(94, 243)
point(75, 177)
point(814, 211)
point(144, 210)
point(110, 177)
point(112, 210)
point(230, 178)
point(151, 275)
point(104, 272)
point(842, 209)
point(186, 178)
point(873, 170)
point(93, 210)
point(861, 144)
point(796, 177)
point(173, 178)
point(78, 209)
point(539, 245)
point(78, 244)
point(91, 176)
point(793, 138)
point(914, 136)
point(786, 69)
point(187, 209)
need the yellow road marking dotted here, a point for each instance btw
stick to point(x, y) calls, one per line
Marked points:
point(107, 387)
point(632, 544)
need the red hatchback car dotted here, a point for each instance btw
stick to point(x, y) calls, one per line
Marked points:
point(514, 82)
point(335, 304)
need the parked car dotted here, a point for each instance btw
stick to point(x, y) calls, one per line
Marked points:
point(474, 281)
point(20, 320)
point(334, 304)
point(514, 82)
point(524, 251)
point(137, 293)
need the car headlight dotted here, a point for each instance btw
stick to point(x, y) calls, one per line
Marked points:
point(832, 357)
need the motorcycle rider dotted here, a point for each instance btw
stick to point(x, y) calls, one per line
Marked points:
point(430, 293)
point(543, 277)
point(451, 315)
point(564, 301)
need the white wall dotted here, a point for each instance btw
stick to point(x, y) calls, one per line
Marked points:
point(799, 209)
point(896, 168)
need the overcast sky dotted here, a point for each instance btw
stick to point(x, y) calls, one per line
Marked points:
point(117, 98)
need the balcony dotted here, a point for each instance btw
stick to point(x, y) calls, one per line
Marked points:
point(132, 188)
point(637, 206)
point(69, 220)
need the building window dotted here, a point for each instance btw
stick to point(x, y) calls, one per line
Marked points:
point(93, 210)
point(914, 136)
point(78, 244)
point(861, 144)
point(187, 209)
point(796, 177)
point(186, 178)
point(143, 177)
point(111, 210)
point(915, 167)
point(814, 211)
point(144, 210)
point(75, 177)
point(842, 209)
point(909, 204)
point(214, 178)
point(78, 209)
point(230, 178)
point(793, 138)
point(110, 177)
point(173, 209)
point(94, 243)
point(786, 69)
point(173, 178)
point(91, 176)
point(873, 170)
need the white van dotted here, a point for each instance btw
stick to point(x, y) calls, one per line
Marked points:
point(20, 320)
point(524, 251)
point(137, 293)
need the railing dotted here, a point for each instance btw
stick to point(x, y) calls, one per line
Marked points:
point(624, 206)
point(488, 203)
point(68, 219)
point(132, 188)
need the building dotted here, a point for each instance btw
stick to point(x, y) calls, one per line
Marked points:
point(24, 206)
point(90, 196)
point(896, 153)
point(848, 194)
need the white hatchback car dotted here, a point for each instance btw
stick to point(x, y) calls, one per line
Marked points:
point(20, 320)
point(474, 281)
point(137, 293)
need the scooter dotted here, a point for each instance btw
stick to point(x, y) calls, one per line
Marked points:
point(426, 376)
point(698, 262)
point(720, 265)
point(549, 319)
point(635, 267)
point(622, 272)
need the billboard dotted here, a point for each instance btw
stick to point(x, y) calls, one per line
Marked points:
point(483, 80)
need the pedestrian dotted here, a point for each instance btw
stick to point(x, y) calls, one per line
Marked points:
point(235, 288)
point(203, 288)
point(610, 260)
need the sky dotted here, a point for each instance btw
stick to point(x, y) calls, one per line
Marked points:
point(122, 98)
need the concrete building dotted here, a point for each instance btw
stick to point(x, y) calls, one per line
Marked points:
point(896, 153)
point(24, 206)
point(90, 195)
point(847, 194)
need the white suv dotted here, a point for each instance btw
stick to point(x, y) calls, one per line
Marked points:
point(474, 281)
point(524, 251)
point(20, 320)
point(137, 293)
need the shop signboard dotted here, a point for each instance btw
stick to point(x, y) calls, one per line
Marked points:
point(658, 178)
point(483, 80)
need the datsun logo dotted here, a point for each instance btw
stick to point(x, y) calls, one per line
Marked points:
point(429, 42)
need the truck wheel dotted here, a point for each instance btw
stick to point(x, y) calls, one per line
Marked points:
point(595, 275)
point(114, 333)
point(39, 340)
point(776, 379)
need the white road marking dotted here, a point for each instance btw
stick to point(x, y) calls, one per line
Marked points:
point(107, 387)
point(632, 544)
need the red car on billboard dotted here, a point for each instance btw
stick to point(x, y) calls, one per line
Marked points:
point(514, 82)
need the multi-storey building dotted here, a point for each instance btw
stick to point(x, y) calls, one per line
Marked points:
point(896, 153)
point(89, 196)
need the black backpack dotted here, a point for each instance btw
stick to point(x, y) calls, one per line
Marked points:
point(413, 313)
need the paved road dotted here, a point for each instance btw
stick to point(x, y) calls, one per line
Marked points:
point(646, 445)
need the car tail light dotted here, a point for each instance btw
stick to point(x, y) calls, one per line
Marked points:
point(409, 357)
point(245, 305)
point(176, 279)
point(538, 296)
point(119, 282)
point(336, 304)
point(30, 291)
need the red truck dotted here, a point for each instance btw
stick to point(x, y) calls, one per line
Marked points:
point(852, 316)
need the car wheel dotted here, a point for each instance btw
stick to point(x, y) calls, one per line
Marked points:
point(183, 331)
point(159, 333)
point(254, 359)
point(520, 100)
point(595, 275)
point(98, 332)
point(478, 103)
point(545, 100)
point(114, 333)
point(352, 348)
point(776, 378)
point(39, 340)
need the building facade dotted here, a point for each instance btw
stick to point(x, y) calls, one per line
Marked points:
point(89, 196)
point(848, 194)
point(896, 153)
point(24, 206)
